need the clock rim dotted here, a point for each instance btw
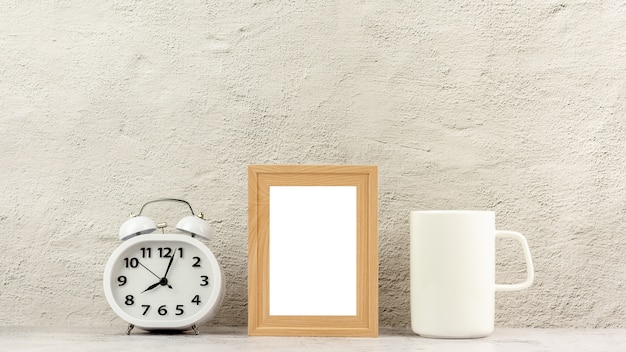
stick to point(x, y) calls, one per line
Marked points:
point(208, 310)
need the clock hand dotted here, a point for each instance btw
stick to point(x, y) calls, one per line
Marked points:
point(162, 282)
point(157, 276)
point(169, 265)
point(151, 287)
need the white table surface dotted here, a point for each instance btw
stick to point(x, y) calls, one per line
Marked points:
point(235, 339)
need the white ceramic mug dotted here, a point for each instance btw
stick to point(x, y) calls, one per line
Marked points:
point(453, 272)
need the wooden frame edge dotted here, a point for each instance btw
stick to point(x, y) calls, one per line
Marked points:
point(364, 326)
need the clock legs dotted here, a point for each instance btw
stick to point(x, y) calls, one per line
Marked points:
point(131, 327)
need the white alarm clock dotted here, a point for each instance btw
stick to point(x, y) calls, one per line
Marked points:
point(163, 281)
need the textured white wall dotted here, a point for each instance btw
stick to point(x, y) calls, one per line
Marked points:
point(515, 106)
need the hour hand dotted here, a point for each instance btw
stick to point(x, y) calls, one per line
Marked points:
point(151, 287)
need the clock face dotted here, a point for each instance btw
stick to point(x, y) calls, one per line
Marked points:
point(163, 281)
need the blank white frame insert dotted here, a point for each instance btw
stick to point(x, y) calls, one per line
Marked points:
point(313, 264)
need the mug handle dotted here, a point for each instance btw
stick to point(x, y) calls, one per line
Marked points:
point(530, 271)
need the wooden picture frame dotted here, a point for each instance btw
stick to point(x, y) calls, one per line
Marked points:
point(364, 179)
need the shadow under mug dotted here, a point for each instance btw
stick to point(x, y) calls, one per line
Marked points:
point(453, 272)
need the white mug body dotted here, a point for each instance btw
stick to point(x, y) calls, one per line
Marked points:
point(452, 273)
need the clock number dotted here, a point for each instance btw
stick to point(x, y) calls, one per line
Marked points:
point(147, 306)
point(196, 300)
point(130, 300)
point(197, 263)
point(180, 251)
point(205, 280)
point(131, 262)
point(146, 252)
point(179, 309)
point(121, 280)
point(165, 252)
point(162, 310)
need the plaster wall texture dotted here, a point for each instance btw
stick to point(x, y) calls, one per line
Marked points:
point(511, 106)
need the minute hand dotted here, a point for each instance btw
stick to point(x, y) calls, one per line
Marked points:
point(169, 265)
